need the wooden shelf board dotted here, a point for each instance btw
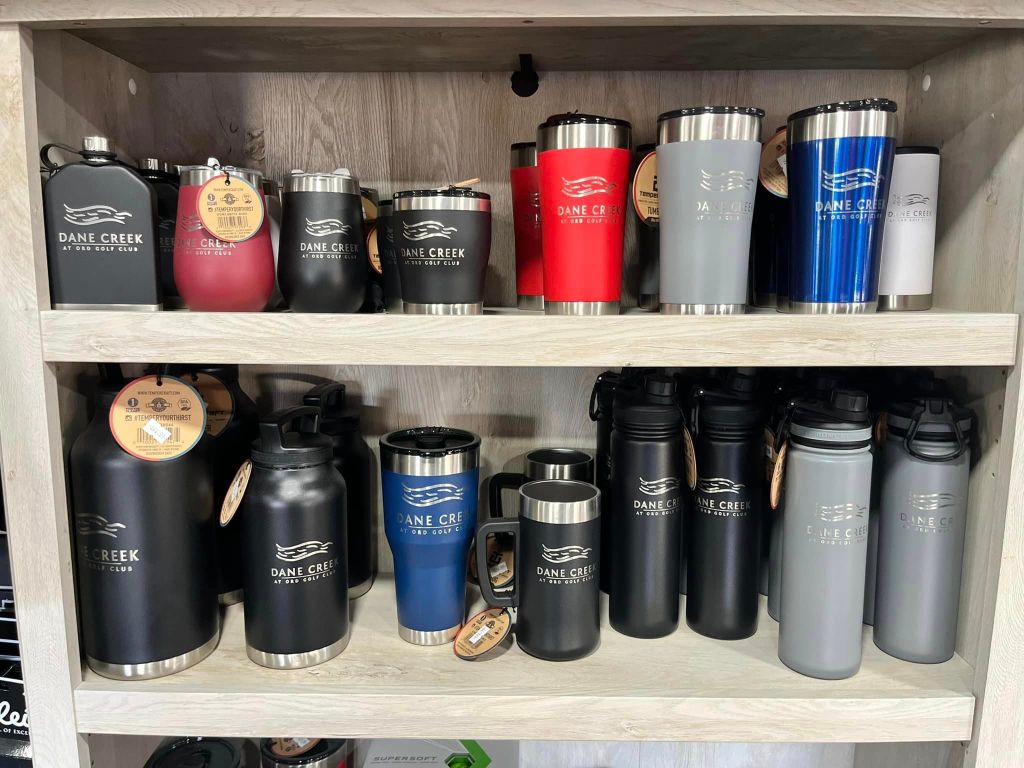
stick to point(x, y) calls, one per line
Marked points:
point(508, 337)
point(681, 688)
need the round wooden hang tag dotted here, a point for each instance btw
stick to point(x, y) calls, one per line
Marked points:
point(293, 747)
point(690, 457)
point(230, 208)
point(157, 418)
point(775, 491)
point(233, 498)
point(645, 189)
point(772, 170)
point(220, 403)
point(373, 248)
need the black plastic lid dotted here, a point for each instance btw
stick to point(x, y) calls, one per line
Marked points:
point(430, 441)
point(446, 192)
point(226, 372)
point(577, 118)
point(196, 752)
point(711, 110)
point(323, 749)
point(847, 410)
point(524, 144)
point(602, 398)
point(856, 105)
point(291, 438)
point(335, 417)
point(917, 150)
point(733, 406)
point(937, 418)
point(649, 409)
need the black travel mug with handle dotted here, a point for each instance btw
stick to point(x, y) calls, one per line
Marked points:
point(557, 540)
point(541, 464)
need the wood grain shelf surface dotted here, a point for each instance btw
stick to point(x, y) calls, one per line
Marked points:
point(683, 687)
point(513, 338)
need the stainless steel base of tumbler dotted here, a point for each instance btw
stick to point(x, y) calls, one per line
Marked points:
point(360, 589)
point(905, 302)
point(444, 309)
point(421, 637)
point(117, 307)
point(151, 669)
point(581, 307)
point(531, 303)
point(648, 301)
point(830, 307)
point(298, 660)
point(230, 598)
point(703, 309)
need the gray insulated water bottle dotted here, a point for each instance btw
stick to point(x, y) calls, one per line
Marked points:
point(926, 464)
point(707, 169)
point(824, 537)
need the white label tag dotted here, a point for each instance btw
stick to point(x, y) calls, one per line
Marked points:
point(500, 568)
point(299, 742)
point(782, 165)
point(156, 431)
point(479, 635)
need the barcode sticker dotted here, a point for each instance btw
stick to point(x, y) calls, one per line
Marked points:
point(782, 165)
point(479, 635)
point(499, 569)
point(232, 222)
point(159, 433)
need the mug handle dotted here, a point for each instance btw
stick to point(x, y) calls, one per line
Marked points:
point(510, 600)
point(498, 483)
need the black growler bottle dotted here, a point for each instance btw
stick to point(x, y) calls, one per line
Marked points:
point(164, 181)
point(723, 566)
point(647, 462)
point(602, 399)
point(101, 241)
point(231, 424)
point(353, 459)
point(294, 542)
point(144, 549)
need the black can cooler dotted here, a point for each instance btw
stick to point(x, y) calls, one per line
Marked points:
point(443, 239)
point(295, 546)
point(724, 537)
point(144, 546)
point(556, 593)
point(322, 252)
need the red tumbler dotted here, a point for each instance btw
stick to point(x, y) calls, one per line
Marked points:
point(213, 275)
point(584, 174)
point(526, 225)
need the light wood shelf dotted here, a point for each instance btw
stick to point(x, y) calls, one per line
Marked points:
point(514, 338)
point(682, 687)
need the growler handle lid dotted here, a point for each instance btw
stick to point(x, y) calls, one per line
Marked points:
point(329, 397)
point(290, 438)
point(932, 422)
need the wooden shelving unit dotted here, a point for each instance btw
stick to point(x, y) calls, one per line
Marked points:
point(410, 93)
point(680, 688)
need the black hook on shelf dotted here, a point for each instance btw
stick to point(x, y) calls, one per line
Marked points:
point(525, 80)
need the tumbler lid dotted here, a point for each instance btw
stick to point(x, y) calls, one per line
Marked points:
point(430, 451)
point(711, 110)
point(319, 753)
point(843, 422)
point(917, 150)
point(340, 183)
point(855, 105)
point(446, 199)
point(573, 130)
point(649, 410)
point(194, 175)
point(710, 123)
point(193, 751)
point(468, 192)
point(329, 398)
point(291, 438)
point(577, 118)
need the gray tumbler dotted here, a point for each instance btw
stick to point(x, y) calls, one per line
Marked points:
point(825, 534)
point(707, 172)
point(922, 525)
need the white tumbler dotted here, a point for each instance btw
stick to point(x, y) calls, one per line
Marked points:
point(908, 241)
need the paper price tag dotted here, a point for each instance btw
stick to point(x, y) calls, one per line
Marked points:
point(772, 171)
point(233, 498)
point(230, 208)
point(775, 490)
point(157, 418)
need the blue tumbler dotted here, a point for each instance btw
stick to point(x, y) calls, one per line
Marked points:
point(839, 159)
point(430, 477)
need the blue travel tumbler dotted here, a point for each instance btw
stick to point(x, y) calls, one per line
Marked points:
point(839, 159)
point(430, 477)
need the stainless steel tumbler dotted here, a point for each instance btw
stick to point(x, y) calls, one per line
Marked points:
point(707, 172)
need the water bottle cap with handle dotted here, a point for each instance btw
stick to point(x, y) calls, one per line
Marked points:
point(290, 438)
point(931, 423)
point(330, 398)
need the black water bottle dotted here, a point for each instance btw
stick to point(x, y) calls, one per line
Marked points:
point(647, 463)
point(353, 459)
point(164, 181)
point(294, 540)
point(232, 425)
point(602, 399)
point(144, 547)
point(723, 567)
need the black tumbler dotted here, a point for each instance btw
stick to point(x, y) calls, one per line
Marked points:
point(444, 242)
point(724, 560)
point(557, 536)
point(541, 464)
point(390, 278)
point(602, 399)
point(647, 461)
point(322, 253)
point(353, 459)
point(294, 537)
